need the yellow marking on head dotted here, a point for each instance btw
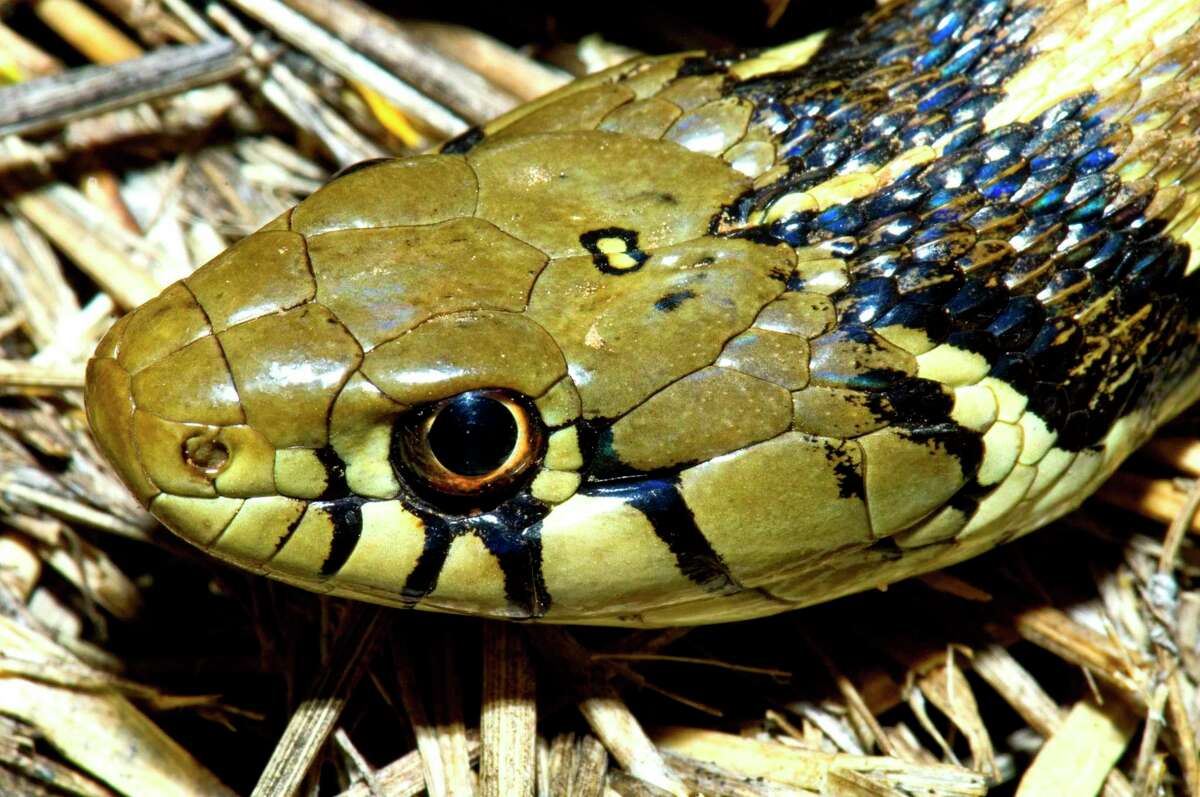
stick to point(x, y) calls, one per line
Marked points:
point(843, 188)
point(1049, 470)
point(952, 366)
point(299, 473)
point(825, 276)
point(975, 407)
point(560, 404)
point(1038, 439)
point(252, 537)
point(197, 520)
point(788, 204)
point(622, 261)
point(562, 450)
point(588, 535)
point(910, 158)
point(471, 579)
point(360, 431)
point(780, 59)
point(944, 524)
point(612, 245)
point(373, 476)
point(1011, 401)
point(391, 542)
point(308, 546)
point(554, 486)
point(1001, 448)
point(991, 516)
point(913, 341)
point(251, 468)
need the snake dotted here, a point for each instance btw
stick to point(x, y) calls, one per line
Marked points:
point(702, 337)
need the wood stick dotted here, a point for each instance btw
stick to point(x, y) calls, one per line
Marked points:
point(314, 719)
point(508, 722)
point(50, 102)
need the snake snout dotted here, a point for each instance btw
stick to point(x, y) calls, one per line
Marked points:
point(195, 396)
point(162, 401)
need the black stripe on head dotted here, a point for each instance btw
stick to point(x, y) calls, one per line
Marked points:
point(346, 517)
point(423, 578)
point(663, 505)
point(511, 532)
point(290, 530)
point(335, 474)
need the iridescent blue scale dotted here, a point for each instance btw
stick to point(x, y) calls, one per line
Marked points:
point(934, 56)
point(869, 157)
point(886, 124)
point(1004, 186)
point(899, 196)
point(974, 106)
point(1104, 263)
point(868, 299)
point(947, 26)
point(1082, 240)
point(1088, 208)
point(961, 137)
point(1096, 160)
point(929, 282)
point(976, 301)
point(892, 230)
point(1040, 236)
point(841, 219)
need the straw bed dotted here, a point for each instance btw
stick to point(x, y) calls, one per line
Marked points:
point(137, 140)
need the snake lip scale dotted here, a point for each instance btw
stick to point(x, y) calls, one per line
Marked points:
point(702, 337)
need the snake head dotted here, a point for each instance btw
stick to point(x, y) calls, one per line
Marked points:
point(703, 337)
point(461, 381)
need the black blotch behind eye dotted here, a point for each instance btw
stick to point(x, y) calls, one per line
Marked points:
point(472, 434)
point(472, 449)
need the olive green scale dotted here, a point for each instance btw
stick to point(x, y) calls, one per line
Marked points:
point(773, 326)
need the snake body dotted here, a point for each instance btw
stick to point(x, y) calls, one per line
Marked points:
point(702, 337)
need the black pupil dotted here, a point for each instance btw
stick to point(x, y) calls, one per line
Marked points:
point(473, 435)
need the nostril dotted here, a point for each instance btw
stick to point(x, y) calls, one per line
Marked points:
point(205, 454)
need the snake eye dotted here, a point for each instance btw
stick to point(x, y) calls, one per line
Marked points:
point(477, 443)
